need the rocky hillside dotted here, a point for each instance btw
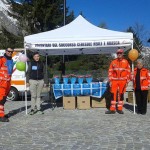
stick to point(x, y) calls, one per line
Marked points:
point(9, 23)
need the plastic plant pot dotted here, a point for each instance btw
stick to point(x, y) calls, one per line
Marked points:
point(65, 79)
point(80, 79)
point(56, 79)
point(88, 79)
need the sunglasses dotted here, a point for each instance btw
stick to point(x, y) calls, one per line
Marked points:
point(119, 53)
point(10, 51)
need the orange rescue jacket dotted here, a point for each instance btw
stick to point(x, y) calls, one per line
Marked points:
point(5, 69)
point(144, 78)
point(119, 70)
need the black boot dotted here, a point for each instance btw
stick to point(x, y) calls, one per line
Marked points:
point(7, 116)
point(110, 112)
point(4, 119)
point(120, 112)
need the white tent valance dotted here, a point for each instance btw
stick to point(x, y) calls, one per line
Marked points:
point(78, 37)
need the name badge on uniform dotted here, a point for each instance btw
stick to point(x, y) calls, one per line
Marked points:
point(34, 67)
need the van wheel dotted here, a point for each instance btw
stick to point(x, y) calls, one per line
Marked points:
point(13, 94)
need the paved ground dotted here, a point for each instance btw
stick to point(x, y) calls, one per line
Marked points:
point(60, 129)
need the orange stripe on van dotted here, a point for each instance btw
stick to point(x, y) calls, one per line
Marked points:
point(18, 82)
point(14, 53)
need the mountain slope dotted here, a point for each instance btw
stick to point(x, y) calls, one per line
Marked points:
point(9, 23)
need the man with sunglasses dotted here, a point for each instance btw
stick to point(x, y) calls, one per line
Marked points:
point(6, 69)
point(119, 76)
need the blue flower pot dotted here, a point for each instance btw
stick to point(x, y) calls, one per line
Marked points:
point(65, 80)
point(89, 80)
point(73, 80)
point(57, 80)
point(80, 80)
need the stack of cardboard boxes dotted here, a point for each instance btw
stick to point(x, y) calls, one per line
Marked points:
point(98, 102)
point(69, 102)
point(130, 97)
point(82, 102)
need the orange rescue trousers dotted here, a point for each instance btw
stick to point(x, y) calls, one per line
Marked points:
point(117, 89)
point(4, 90)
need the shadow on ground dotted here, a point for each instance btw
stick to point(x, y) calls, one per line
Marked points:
point(16, 111)
point(129, 107)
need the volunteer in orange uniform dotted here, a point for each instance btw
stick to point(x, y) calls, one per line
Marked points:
point(6, 69)
point(119, 75)
point(141, 85)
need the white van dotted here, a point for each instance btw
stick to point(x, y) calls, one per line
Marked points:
point(18, 77)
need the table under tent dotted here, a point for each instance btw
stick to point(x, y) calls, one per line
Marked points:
point(78, 37)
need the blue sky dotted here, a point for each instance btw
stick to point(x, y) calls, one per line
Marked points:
point(117, 14)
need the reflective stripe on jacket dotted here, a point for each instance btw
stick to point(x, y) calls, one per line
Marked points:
point(144, 78)
point(119, 70)
point(5, 69)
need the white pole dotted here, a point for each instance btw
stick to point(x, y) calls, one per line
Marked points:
point(133, 85)
point(133, 89)
point(26, 88)
point(46, 66)
point(63, 64)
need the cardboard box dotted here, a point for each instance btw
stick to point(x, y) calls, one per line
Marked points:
point(98, 102)
point(130, 97)
point(83, 102)
point(69, 102)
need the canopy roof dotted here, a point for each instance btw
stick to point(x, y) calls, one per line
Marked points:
point(78, 37)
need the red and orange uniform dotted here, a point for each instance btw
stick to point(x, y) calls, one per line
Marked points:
point(119, 76)
point(144, 78)
point(6, 69)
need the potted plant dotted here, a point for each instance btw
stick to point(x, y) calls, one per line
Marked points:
point(73, 78)
point(80, 79)
point(65, 79)
point(88, 78)
point(56, 79)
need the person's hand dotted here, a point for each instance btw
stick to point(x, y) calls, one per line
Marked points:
point(27, 84)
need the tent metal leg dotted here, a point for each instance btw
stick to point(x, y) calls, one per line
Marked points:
point(52, 99)
point(26, 105)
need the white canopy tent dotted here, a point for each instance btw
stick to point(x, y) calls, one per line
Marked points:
point(78, 37)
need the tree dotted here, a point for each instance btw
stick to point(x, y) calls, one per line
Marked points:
point(103, 25)
point(146, 56)
point(10, 40)
point(40, 15)
point(34, 16)
point(142, 33)
point(137, 41)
